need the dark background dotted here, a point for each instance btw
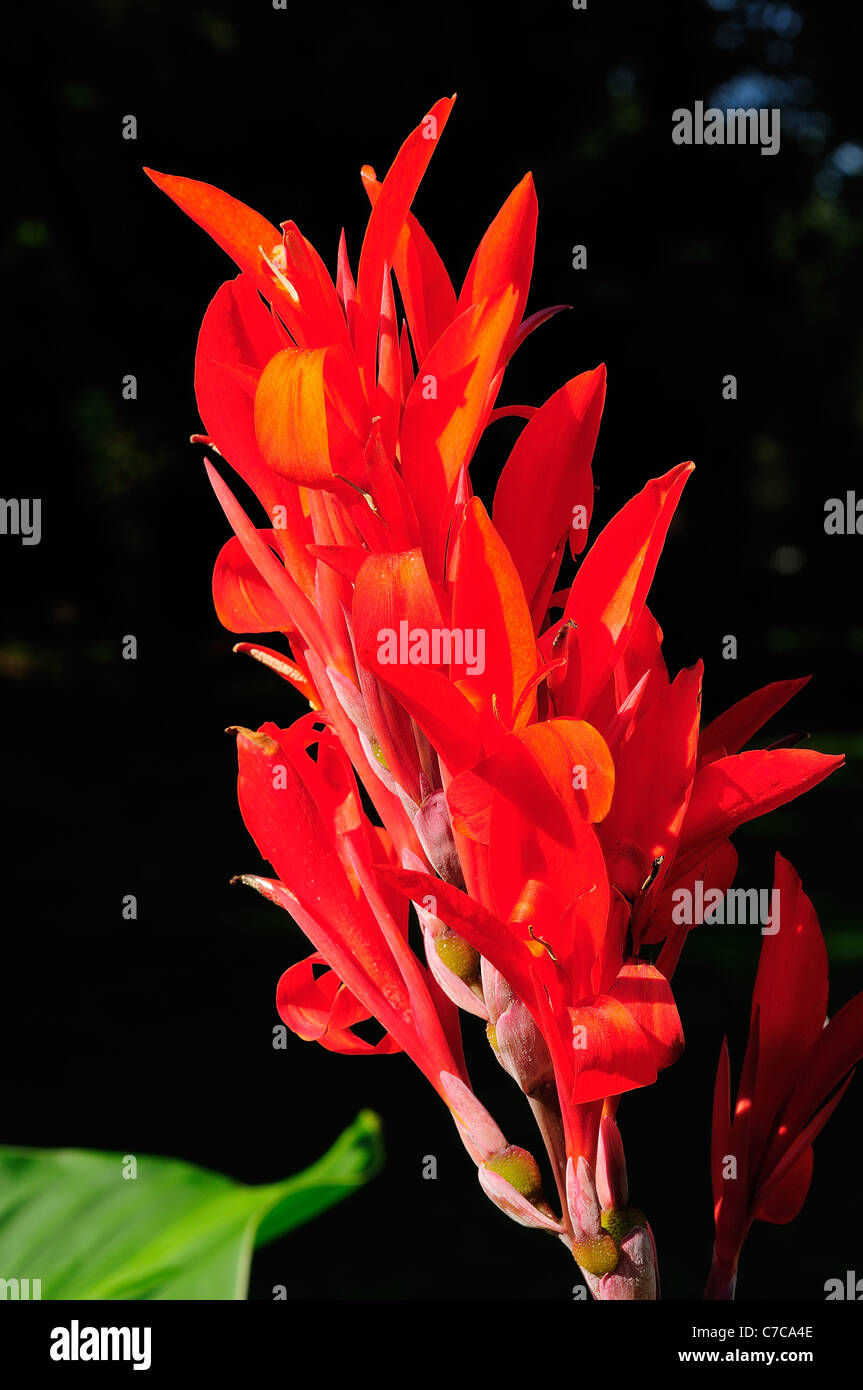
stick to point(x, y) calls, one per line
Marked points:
point(155, 1035)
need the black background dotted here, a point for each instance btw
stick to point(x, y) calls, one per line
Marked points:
point(155, 1035)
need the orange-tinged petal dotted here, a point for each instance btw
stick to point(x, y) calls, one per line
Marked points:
point(241, 232)
point(447, 409)
point(575, 758)
point(243, 601)
point(309, 415)
point(505, 254)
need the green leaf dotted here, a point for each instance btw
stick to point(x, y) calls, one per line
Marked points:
point(70, 1218)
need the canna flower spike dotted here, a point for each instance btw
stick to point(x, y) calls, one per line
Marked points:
point(797, 1067)
point(509, 756)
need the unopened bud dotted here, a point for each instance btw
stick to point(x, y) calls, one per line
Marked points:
point(612, 1183)
point(520, 1169)
point(597, 1255)
point(620, 1223)
point(518, 1043)
point(614, 1247)
point(458, 956)
point(434, 829)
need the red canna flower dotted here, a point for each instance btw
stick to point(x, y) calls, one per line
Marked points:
point(511, 757)
point(797, 1067)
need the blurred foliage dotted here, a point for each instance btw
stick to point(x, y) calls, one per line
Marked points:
point(119, 1226)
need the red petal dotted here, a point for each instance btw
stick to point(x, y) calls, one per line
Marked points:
point(489, 601)
point(426, 289)
point(785, 1198)
point(573, 870)
point(611, 586)
point(237, 331)
point(446, 410)
point(385, 227)
point(839, 1047)
point(647, 995)
point(546, 476)
point(243, 602)
point(715, 870)
point(323, 320)
point(617, 1057)
point(721, 1128)
point(790, 996)
point(505, 254)
point(653, 777)
point(729, 732)
point(274, 575)
point(484, 931)
point(240, 232)
point(395, 590)
point(323, 1010)
point(732, 790)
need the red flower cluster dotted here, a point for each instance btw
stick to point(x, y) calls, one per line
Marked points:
point(541, 789)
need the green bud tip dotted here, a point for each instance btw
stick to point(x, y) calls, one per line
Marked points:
point(379, 753)
point(458, 956)
point(620, 1223)
point(520, 1169)
point(596, 1254)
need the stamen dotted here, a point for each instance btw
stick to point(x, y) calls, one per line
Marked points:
point(651, 877)
point(366, 495)
point(539, 942)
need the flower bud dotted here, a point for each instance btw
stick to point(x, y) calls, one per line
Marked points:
point(454, 964)
point(596, 1255)
point(520, 1169)
point(518, 1043)
point(512, 1180)
point(434, 830)
point(458, 956)
point(613, 1247)
point(612, 1183)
